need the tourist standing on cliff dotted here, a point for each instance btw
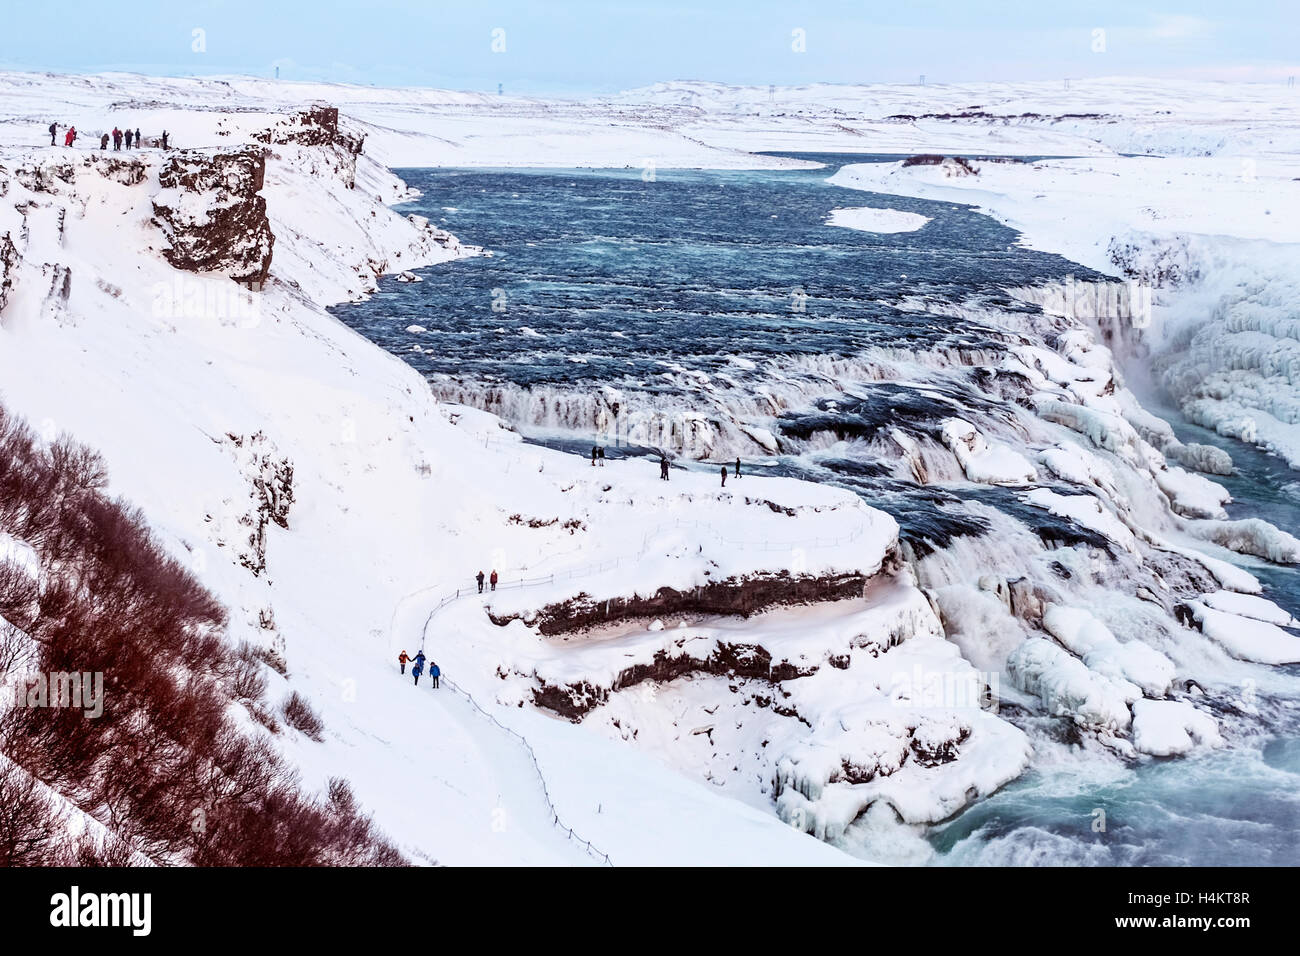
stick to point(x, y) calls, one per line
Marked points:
point(479, 578)
point(71, 138)
point(54, 128)
point(138, 140)
point(493, 580)
point(164, 139)
point(724, 476)
point(128, 138)
point(663, 468)
point(737, 467)
point(117, 138)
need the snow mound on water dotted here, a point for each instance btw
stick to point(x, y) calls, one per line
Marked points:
point(1087, 511)
point(867, 219)
point(1192, 495)
point(1069, 688)
point(1093, 641)
point(1251, 536)
point(1246, 638)
point(1250, 605)
point(1165, 728)
point(983, 461)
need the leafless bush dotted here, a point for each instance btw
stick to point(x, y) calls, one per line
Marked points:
point(31, 825)
point(298, 713)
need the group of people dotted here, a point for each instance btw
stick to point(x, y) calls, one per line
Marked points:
point(417, 667)
point(118, 137)
point(492, 580)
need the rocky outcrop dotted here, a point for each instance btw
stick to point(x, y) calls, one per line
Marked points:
point(741, 596)
point(128, 171)
point(8, 267)
point(212, 215)
point(575, 700)
point(270, 478)
point(45, 176)
point(319, 127)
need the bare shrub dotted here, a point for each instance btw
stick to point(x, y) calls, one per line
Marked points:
point(163, 762)
point(298, 714)
point(31, 825)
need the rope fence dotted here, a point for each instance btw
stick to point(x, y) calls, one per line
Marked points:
point(610, 564)
point(592, 850)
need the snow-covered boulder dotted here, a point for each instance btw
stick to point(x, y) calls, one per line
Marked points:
point(983, 461)
point(1165, 728)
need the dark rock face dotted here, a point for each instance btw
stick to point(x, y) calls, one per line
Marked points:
point(319, 126)
point(734, 596)
point(44, 177)
point(574, 701)
point(128, 172)
point(211, 213)
point(8, 267)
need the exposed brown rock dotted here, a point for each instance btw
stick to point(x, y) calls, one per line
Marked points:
point(227, 231)
point(734, 596)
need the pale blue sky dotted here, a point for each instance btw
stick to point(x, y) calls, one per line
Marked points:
point(573, 46)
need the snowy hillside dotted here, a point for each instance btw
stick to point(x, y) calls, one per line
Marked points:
point(684, 671)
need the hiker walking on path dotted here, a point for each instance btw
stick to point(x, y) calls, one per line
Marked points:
point(434, 673)
point(138, 140)
point(737, 467)
point(418, 668)
point(54, 128)
point(663, 468)
point(402, 658)
point(71, 138)
point(479, 578)
point(724, 476)
point(493, 579)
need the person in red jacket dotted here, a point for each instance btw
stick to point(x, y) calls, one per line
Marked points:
point(402, 658)
point(493, 580)
point(71, 137)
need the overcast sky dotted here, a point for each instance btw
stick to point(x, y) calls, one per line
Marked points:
point(575, 46)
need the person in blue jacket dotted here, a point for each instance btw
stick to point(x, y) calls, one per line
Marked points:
point(418, 668)
point(434, 673)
